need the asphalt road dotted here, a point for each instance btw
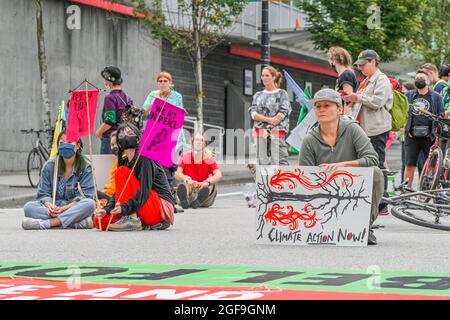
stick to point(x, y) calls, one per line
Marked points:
point(223, 235)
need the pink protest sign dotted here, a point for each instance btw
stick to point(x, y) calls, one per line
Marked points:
point(166, 121)
point(77, 122)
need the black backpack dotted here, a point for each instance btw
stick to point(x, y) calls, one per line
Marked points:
point(132, 114)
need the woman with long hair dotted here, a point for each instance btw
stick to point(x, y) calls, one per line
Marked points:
point(74, 204)
point(270, 111)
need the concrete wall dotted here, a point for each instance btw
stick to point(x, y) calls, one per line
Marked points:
point(72, 55)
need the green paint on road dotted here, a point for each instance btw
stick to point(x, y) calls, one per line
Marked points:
point(355, 281)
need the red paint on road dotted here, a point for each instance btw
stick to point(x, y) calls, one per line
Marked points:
point(33, 289)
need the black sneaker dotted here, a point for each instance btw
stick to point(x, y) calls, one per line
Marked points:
point(160, 226)
point(202, 195)
point(183, 196)
point(372, 239)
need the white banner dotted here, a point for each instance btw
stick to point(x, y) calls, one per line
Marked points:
point(308, 206)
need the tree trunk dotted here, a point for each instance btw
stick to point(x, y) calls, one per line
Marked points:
point(46, 115)
point(198, 67)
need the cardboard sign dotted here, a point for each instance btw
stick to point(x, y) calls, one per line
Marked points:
point(308, 206)
point(165, 122)
point(77, 124)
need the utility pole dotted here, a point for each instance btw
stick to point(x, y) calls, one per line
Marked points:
point(265, 45)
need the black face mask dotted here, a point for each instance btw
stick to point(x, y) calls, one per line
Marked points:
point(420, 84)
point(115, 151)
point(128, 142)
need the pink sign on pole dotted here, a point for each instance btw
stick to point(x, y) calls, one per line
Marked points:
point(161, 144)
point(77, 122)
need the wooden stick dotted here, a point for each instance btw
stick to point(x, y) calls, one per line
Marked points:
point(55, 179)
point(97, 202)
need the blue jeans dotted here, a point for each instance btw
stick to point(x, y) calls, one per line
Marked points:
point(105, 147)
point(85, 208)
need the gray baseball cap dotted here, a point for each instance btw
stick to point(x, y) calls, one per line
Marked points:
point(326, 95)
point(365, 56)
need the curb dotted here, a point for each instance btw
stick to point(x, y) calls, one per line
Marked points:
point(16, 201)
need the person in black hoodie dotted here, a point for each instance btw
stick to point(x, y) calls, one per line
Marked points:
point(143, 202)
point(419, 130)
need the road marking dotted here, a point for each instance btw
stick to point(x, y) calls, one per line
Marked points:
point(229, 194)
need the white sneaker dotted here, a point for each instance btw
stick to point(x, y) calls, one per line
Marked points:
point(84, 224)
point(32, 224)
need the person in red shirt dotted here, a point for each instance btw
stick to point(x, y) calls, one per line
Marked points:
point(198, 173)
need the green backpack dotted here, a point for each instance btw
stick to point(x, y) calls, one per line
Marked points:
point(399, 111)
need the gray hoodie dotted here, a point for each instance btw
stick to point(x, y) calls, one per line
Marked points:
point(352, 143)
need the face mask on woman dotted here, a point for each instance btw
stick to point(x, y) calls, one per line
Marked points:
point(128, 142)
point(115, 151)
point(66, 150)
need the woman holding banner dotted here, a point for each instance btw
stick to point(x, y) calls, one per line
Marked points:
point(337, 142)
point(143, 199)
point(165, 92)
point(270, 110)
point(72, 204)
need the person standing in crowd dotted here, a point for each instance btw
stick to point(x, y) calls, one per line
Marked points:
point(341, 62)
point(199, 174)
point(113, 107)
point(433, 73)
point(376, 98)
point(337, 142)
point(74, 200)
point(270, 111)
point(165, 92)
point(405, 88)
point(146, 201)
point(419, 130)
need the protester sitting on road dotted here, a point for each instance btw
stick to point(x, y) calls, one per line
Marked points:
point(270, 110)
point(143, 202)
point(74, 204)
point(110, 188)
point(341, 62)
point(337, 142)
point(114, 105)
point(199, 174)
point(419, 129)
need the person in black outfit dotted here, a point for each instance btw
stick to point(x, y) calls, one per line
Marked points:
point(419, 130)
point(144, 200)
point(341, 62)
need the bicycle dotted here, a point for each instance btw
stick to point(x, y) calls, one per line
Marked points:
point(434, 174)
point(411, 207)
point(37, 156)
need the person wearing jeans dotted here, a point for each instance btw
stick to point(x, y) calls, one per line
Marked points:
point(270, 110)
point(113, 107)
point(376, 98)
point(74, 204)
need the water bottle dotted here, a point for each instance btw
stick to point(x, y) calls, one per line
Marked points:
point(447, 159)
point(249, 193)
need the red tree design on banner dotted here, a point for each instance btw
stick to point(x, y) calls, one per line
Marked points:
point(296, 205)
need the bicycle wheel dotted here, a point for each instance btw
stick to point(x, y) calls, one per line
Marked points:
point(429, 179)
point(34, 166)
point(422, 217)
